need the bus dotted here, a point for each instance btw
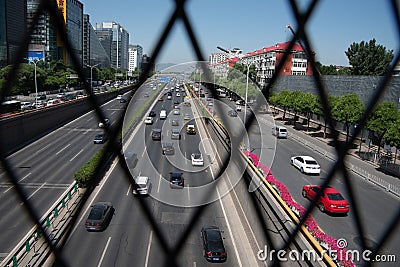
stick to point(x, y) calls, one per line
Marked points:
point(10, 106)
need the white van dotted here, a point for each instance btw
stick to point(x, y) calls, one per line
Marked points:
point(163, 114)
point(144, 185)
point(279, 132)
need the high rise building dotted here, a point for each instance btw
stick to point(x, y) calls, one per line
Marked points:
point(135, 57)
point(45, 42)
point(118, 48)
point(72, 11)
point(12, 28)
point(93, 51)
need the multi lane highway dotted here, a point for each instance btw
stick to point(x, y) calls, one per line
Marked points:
point(130, 240)
point(46, 168)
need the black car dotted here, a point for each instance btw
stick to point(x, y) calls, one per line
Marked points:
point(99, 216)
point(152, 113)
point(100, 138)
point(213, 244)
point(176, 180)
point(122, 100)
point(156, 134)
point(168, 148)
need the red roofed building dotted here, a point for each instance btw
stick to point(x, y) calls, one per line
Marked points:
point(266, 61)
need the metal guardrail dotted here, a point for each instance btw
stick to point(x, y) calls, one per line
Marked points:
point(32, 249)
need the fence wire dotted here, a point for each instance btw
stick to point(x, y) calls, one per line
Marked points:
point(179, 14)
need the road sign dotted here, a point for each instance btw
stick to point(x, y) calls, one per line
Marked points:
point(164, 79)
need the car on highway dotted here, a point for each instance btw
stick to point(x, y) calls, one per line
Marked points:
point(176, 180)
point(156, 134)
point(232, 113)
point(122, 100)
point(175, 134)
point(100, 138)
point(160, 99)
point(177, 111)
point(306, 164)
point(119, 96)
point(100, 216)
point(186, 117)
point(238, 108)
point(163, 114)
point(197, 159)
point(175, 123)
point(190, 129)
point(331, 200)
point(213, 244)
point(152, 113)
point(148, 120)
point(143, 183)
point(167, 148)
point(106, 121)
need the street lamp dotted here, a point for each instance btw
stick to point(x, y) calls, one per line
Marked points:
point(91, 75)
point(247, 89)
point(35, 61)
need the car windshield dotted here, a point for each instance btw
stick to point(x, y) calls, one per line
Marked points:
point(311, 162)
point(335, 196)
point(197, 156)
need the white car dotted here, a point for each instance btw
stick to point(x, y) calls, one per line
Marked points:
point(101, 124)
point(178, 94)
point(148, 120)
point(119, 96)
point(306, 164)
point(197, 159)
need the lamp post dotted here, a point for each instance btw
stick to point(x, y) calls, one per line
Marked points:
point(247, 89)
point(91, 75)
point(35, 61)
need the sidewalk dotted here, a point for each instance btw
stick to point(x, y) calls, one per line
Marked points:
point(385, 175)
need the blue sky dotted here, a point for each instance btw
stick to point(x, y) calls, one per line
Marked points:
point(250, 25)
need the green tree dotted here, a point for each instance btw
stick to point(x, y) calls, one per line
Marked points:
point(369, 58)
point(348, 110)
point(306, 103)
point(381, 119)
point(392, 136)
point(285, 100)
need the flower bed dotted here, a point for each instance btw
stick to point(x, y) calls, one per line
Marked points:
point(329, 243)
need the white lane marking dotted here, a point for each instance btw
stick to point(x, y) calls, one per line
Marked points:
point(62, 149)
point(148, 249)
point(144, 151)
point(129, 190)
point(227, 222)
point(89, 119)
point(22, 203)
point(159, 184)
point(26, 176)
point(104, 252)
point(188, 190)
point(43, 148)
point(76, 155)
point(85, 132)
point(5, 191)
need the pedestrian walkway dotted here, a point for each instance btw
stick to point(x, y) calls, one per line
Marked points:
point(385, 175)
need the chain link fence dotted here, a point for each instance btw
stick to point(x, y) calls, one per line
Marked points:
point(179, 14)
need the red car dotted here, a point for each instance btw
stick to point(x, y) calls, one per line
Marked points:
point(331, 200)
